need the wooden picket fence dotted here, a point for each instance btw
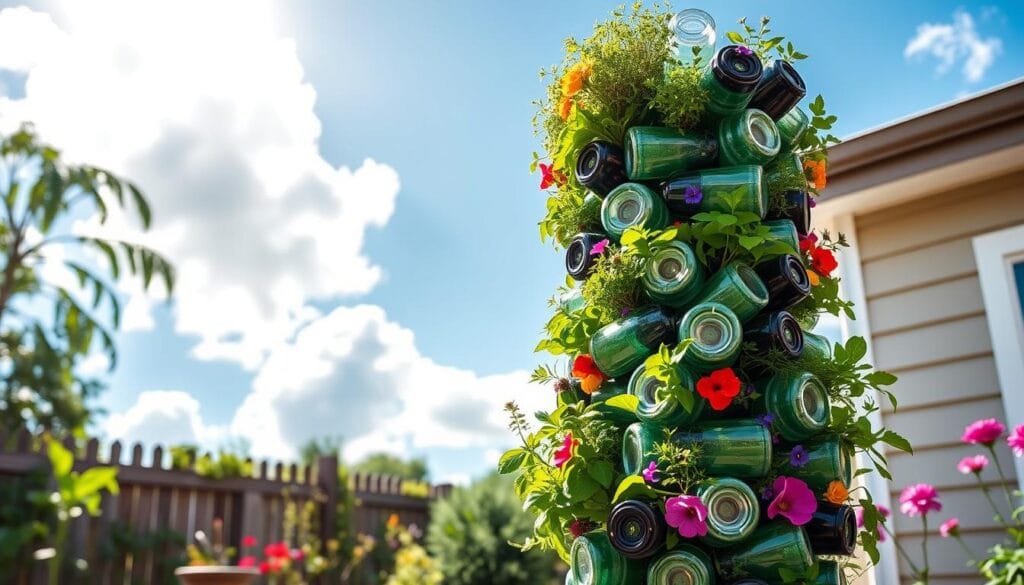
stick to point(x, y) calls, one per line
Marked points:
point(170, 505)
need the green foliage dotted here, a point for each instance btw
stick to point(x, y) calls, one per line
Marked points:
point(680, 98)
point(470, 532)
point(25, 521)
point(581, 488)
point(569, 332)
point(760, 40)
point(1004, 566)
point(228, 462)
point(164, 547)
point(388, 464)
point(567, 216)
point(815, 142)
point(664, 364)
point(677, 464)
point(40, 193)
point(614, 286)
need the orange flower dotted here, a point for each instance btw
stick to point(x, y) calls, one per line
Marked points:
point(575, 77)
point(565, 107)
point(813, 277)
point(837, 492)
point(817, 172)
point(589, 376)
point(393, 521)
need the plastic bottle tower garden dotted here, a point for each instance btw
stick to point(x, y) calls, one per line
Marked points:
point(700, 432)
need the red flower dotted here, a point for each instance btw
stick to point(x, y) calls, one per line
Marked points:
point(264, 568)
point(549, 176)
point(808, 243)
point(276, 550)
point(248, 541)
point(823, 261)
point(589, 376)
point(564, 453)
point(247, 561)
point(719, 388)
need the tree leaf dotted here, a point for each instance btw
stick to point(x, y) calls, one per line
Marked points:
point(511, 461)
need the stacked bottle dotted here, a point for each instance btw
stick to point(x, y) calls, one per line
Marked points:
point(731, 314)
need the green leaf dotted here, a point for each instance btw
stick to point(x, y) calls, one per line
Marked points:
point(579, 486)
point(856, 349)
point(750, 242)
point(626, 402)
point(603, 472)
point(634, 487)
point(60, 458)
point(735, 37)
point(880, 378)
point(95, 480)
point(511, 461)
point(898, 441)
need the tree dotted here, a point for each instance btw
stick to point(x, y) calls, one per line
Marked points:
point(469, 535)
point(40, 388)
point(388, 464)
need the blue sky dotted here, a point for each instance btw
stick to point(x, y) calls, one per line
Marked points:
point(440, 93)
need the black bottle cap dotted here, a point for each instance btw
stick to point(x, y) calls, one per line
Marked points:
point(636, 529)
point(736, 71)
point(832, 530)
point(778, 331)
point(579, 262)
point(780, 89)
point(601, 167)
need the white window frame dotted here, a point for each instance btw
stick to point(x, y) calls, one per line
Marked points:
point(995, 253)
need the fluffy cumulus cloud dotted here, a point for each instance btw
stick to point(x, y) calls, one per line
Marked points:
point(955, 42)
point(220, 131)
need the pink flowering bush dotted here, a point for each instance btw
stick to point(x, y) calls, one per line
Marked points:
point(1004, 564)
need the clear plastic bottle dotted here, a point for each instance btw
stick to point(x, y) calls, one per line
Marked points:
point(693, 28)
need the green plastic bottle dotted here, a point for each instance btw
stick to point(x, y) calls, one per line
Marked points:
point(717, 186)
point(817, 347)
point(730, 81)
point(664, 411)
point(738, 287)
point(717, 337)
point(593, 561)
point(632, 205)
point(773, 546)
point(792, 127)
point(830, 573)
point(619, 347)
point(684, 565)
point(730, 448)
point(784, 230)
point(747, 138)
point(673, 276)
point(733, 511)
point(799, 404)
point(654, 152)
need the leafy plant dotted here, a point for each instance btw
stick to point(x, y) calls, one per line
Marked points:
point(470, 532)
point(38, 191)
point(614, 287)
point(761, 42)
point(680, 98)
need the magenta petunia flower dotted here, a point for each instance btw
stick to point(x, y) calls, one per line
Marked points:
point(972, 464)
point(983, 432)
point(651, 473)
point(692, 194)
point(883, 511)
point(744, 50)
point(688, 515)
point(919, 499)
point(793, 499)
point(949, 528)
point(564, 453)
point(1016, 440)
point(598, 248)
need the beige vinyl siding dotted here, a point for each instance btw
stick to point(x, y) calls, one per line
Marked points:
point(928, 327)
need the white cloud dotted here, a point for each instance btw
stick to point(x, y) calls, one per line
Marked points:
point(220, 131)
point(163, 417)
point(957, 41)
point(351, 373)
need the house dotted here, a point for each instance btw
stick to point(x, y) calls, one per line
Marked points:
point(933, 207)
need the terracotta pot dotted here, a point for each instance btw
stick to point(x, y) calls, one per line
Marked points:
point(216, 575)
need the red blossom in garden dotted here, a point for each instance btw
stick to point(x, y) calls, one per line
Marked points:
point(264, 568)
point(719, 388)
point(823, 261)
point(580, 527)
point(248, 541)
point(983, 432)
point(590, 377)
point(565, 452)
point(247, 561)
point(549, 176)
point(276, 550)
point(919, 499)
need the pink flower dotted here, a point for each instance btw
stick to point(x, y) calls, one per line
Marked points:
point(248, 541)
point(983, 432)
point(247, 561)
point(688, 515)
point(919, 499)
point(973, 464)
point(1016, 440)
point(297, 554)
point(883, 511)
point(564, 453)
point(598, 248)
point(651, 473)
point(793, 499)
point(949, 528)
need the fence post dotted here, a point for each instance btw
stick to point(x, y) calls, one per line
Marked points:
point(327, 482)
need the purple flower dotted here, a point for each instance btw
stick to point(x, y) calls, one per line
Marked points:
point(624, 311)
point(767, 493)
point(651, 473)
point(744, 50)
point(798, 456)
point(812, 203)
point(599, 247)
point(765, 420)
point(692, 194)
